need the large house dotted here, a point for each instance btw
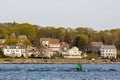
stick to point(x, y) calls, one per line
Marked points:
point(95, 46)
point(44, 42)
point(108, 51)
point(63, 47)
point(47, 53)
point(73, 53)
point(53, 44)
point(14, 51)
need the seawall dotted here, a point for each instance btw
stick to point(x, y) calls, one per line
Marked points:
point(55, 61)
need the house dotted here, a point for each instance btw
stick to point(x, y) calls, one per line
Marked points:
point(63, 47)
point(2, 41)
point(47, 53)
point(54, 44)
point(95, 46)
point(108, 51)
point(44, 42)
point(73, 53)
point(14, 51)
point(21, 37)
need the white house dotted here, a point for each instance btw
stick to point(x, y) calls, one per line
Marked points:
point(48, 53)
point(72, 53)
point(14, 51)
point(108, 51)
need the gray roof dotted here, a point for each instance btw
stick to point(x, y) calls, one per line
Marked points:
point(97, 43)
point(14, 47)
point(108, 47)
point(44, 39)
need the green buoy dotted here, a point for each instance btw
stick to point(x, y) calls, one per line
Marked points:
point(79, 67)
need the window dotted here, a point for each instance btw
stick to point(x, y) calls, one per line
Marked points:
point(17, 50)
point(8, 50)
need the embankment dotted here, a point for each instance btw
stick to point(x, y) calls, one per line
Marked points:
point(55, 61)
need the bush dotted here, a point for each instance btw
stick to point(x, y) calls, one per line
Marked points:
point(92, 55)
point(57, 56)
point(2, 54)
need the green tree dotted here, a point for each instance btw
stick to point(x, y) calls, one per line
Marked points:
point(11, 41)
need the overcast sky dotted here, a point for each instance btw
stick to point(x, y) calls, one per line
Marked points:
point(97, 14)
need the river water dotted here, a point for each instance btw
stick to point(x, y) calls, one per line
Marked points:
point(59, 72)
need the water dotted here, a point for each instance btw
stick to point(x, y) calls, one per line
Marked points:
point(59, 72)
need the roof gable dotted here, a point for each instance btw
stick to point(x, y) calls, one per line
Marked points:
point(108, 47)
point(54, 41)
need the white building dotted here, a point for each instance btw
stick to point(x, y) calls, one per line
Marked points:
point(14, 51)
point(73, 53)
point(108, 51)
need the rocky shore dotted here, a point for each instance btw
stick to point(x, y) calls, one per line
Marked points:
point(55, 61)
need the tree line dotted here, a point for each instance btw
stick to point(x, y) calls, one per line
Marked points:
point(80, 37)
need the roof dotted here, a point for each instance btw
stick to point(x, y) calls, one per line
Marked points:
point(22, 37)
point(108, 47)
point(97, 43)
point(14, 47)
point(64, 44)
point(54, 41)
point(44, 39)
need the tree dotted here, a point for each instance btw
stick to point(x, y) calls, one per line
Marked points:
point(81, 41)
point(11, 41)
point(26, 42)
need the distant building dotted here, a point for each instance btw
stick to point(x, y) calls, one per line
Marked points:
point(63, 47)
point(47, 53)
point(14, 51)
point(95, 46)
point(108, 51)
point(54, 44)
point(73, 53)
point(21, 37)
point(2, 41)
point(44, 42)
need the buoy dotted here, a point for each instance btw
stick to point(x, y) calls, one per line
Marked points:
point(79, 67)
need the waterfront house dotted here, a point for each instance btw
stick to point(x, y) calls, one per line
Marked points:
point(63, 47)
point(73, 53)
point(108, 51)
point(14, 51)
point(44, 42)
point(54, 44)
point(95, 46)
point(47, 53)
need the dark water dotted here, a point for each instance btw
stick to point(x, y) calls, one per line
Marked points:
point(59, 72)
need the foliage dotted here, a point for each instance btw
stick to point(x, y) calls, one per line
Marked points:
point(57, 56)
point(11, 41)
point(81, 36)
point(1, 54)
point(92, 55)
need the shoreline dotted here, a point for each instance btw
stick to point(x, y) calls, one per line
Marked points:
point(55, 61)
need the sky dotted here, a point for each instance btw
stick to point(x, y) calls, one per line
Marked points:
point(96, 14)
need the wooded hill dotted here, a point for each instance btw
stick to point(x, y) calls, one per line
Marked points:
point(80, 37)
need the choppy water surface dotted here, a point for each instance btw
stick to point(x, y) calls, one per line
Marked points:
point(59, 72)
